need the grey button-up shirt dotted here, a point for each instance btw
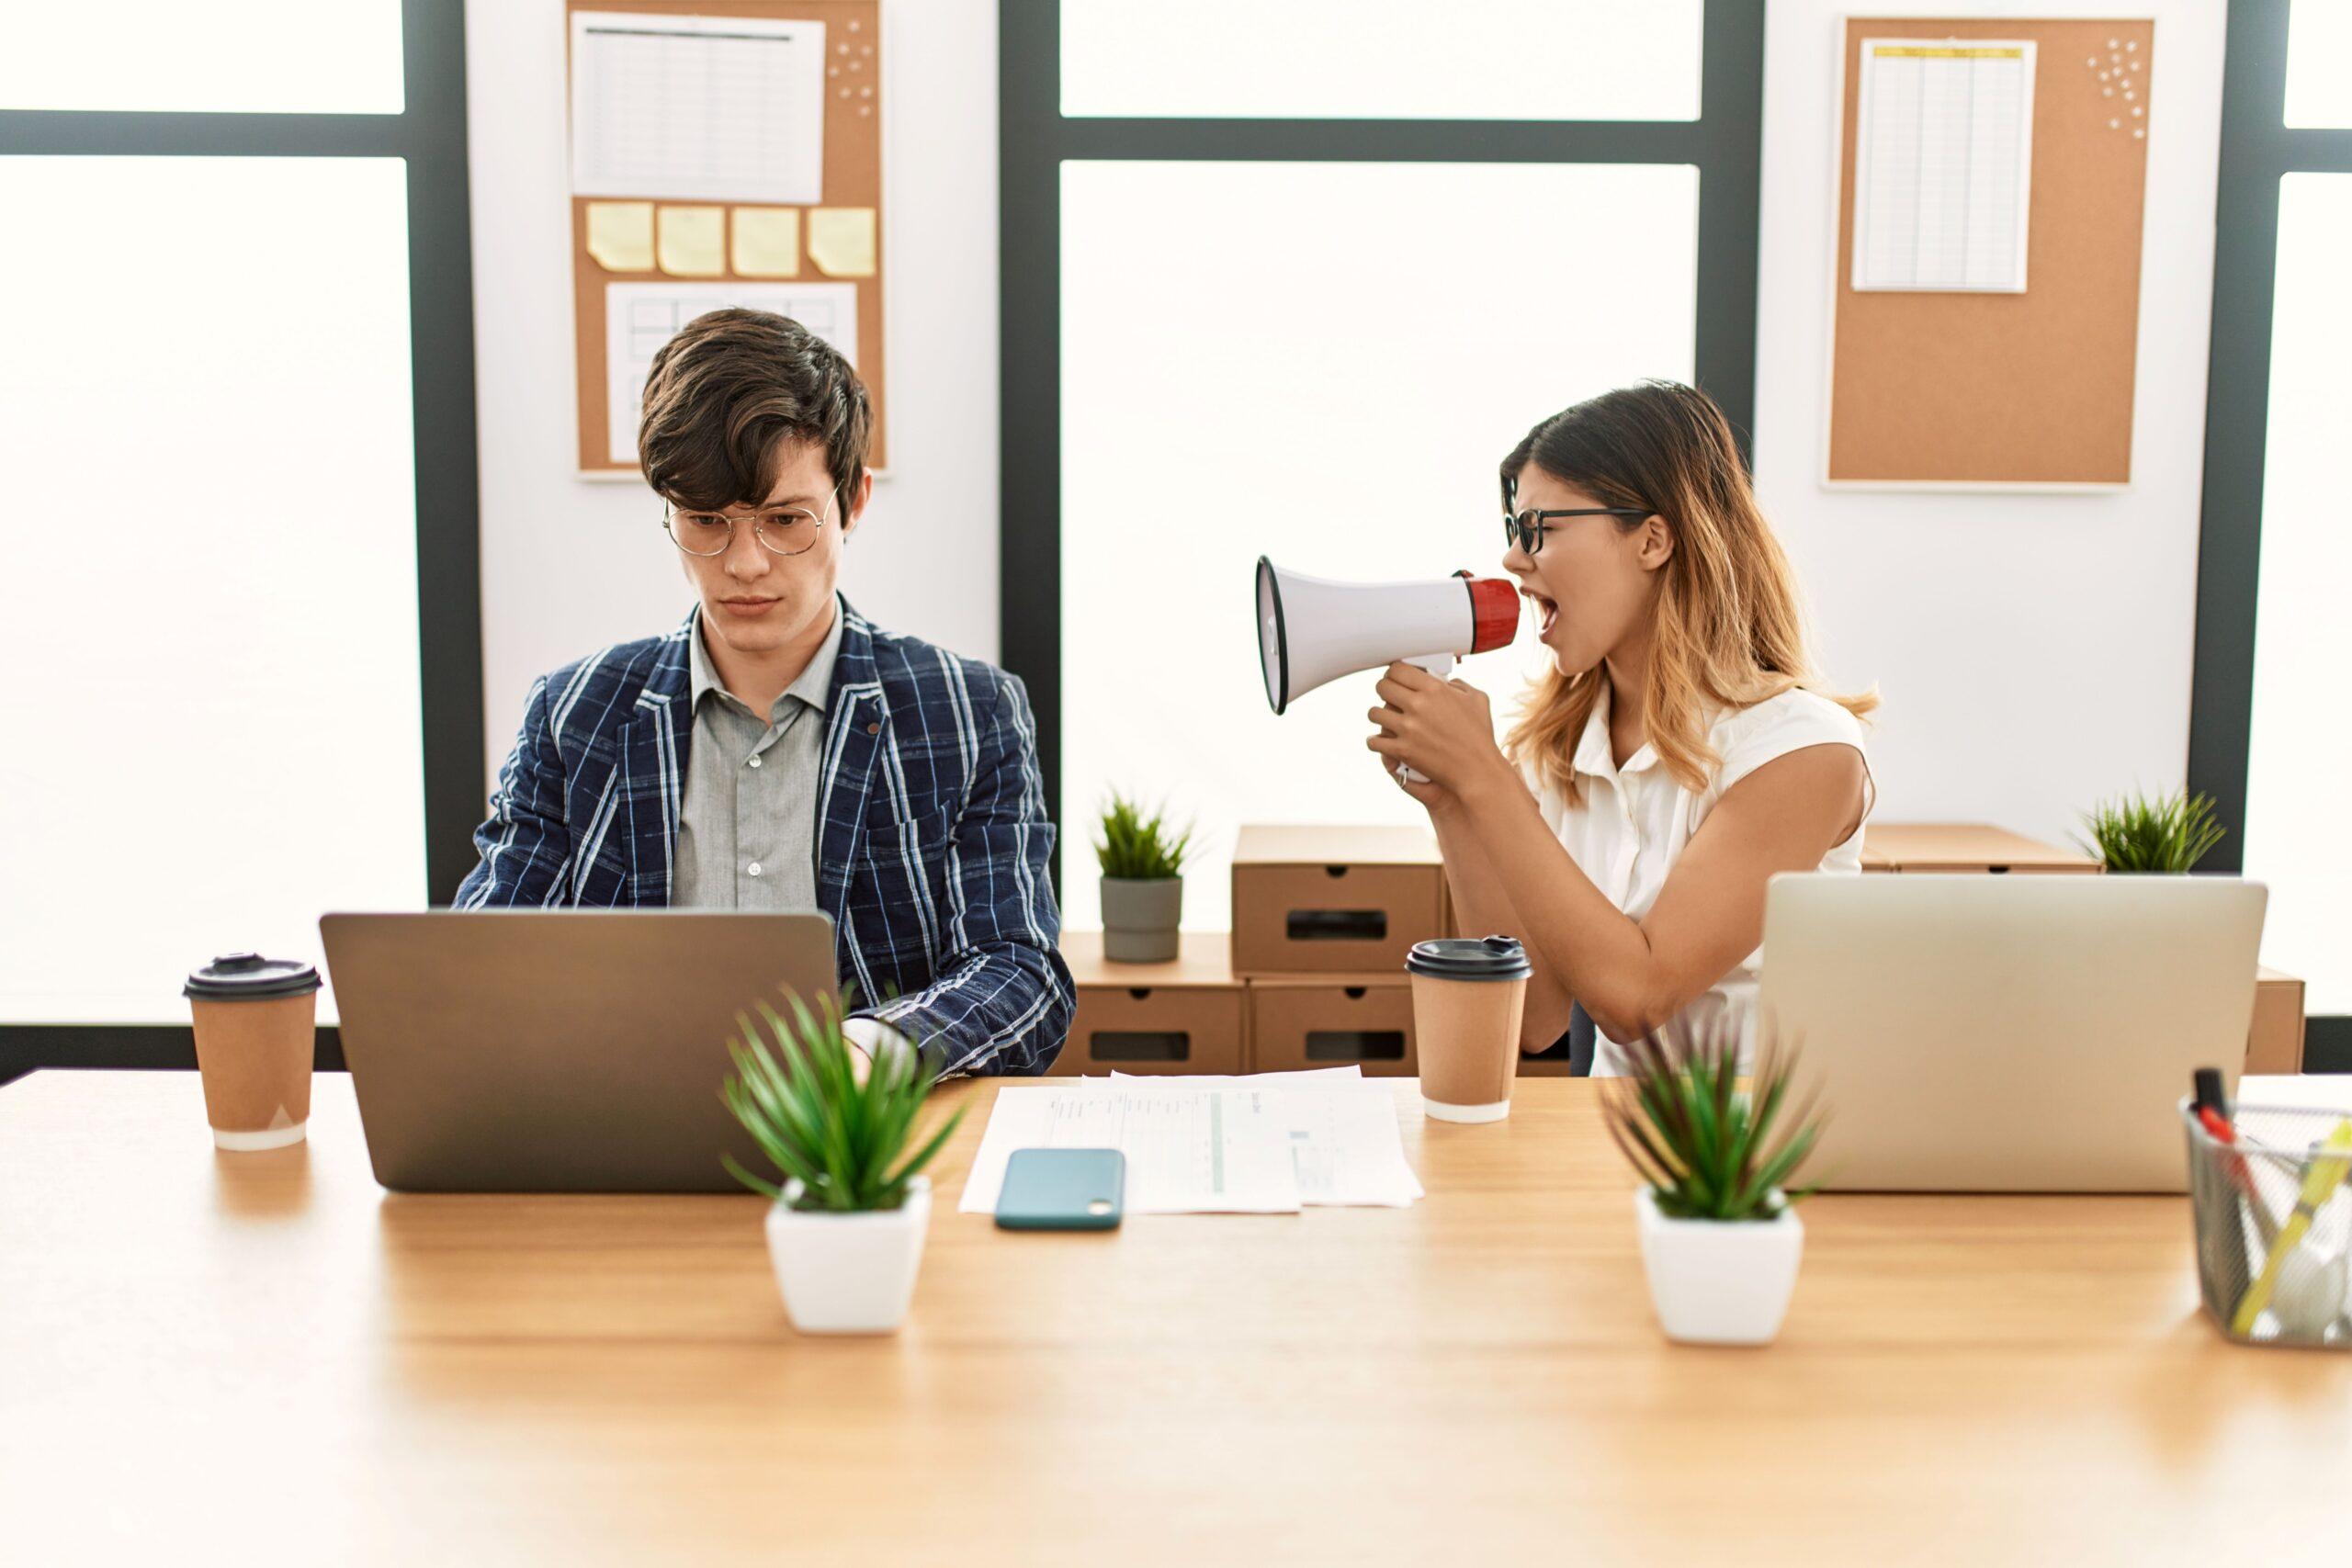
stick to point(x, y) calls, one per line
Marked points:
point(747, 824)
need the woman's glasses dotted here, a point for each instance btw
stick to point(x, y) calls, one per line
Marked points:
point(1526, 529)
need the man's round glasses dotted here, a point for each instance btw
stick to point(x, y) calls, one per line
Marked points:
point(1526, 529)
point(781, 530)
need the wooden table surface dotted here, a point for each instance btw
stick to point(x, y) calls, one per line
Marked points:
point(268, 1356)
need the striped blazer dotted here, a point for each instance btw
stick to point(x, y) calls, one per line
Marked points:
point(933, 843)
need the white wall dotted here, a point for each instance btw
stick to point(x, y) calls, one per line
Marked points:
point(2034, 650)
point(569, 564)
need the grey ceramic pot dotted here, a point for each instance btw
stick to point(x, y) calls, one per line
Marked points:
point(1139, 918)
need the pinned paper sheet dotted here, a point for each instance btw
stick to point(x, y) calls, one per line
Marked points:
point(1943, 164)
point(641, 317)
point(620, 235)
point(766, 241)
point(698, 108)
point(694, 241)
point(840, 241)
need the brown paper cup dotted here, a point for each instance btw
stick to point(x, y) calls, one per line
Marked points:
point(1466, 1032)
point(255, 1060)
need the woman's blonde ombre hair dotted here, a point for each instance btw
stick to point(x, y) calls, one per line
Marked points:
point(1726, 628)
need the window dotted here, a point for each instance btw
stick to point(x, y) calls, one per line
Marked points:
point(237, 455)
point(2266, 738)
point(213, 471)
point(220, 56)
point(1382, 59)
point(2298, 753)
point(1315, 337)
point(2318, 47)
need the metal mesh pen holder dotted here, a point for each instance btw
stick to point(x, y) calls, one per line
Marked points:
point(2273, 1216)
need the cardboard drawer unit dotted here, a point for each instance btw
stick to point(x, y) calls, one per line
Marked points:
point(1185, 1017)
point(1334, 900)
point(2274, 1042)
point(1946, 847)
point(1365, 1020)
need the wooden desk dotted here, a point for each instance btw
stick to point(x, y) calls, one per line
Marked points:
point(269, 1356)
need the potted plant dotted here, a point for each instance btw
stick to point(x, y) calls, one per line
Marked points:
point(846, 1226)
point(1721, 1239)
point(2171, 833)
point(1143, 882)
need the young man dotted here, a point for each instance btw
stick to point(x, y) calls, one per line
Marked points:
point(778, 752)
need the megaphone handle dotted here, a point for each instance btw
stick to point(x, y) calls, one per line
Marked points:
point(1441, 666)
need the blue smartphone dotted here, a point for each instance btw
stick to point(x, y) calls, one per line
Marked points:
point(1062, 1190)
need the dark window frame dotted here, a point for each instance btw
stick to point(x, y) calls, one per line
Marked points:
point(2257, 147)
point(1725, 143)
point(429, 136)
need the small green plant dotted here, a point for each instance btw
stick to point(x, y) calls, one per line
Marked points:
point(1708, 1149)
point(840, 1144)
point(2171, 832)
point(1136, 845)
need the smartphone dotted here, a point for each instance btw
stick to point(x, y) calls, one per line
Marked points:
point(1062, 1190)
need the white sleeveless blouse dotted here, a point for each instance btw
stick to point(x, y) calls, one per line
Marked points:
point(1630, 824)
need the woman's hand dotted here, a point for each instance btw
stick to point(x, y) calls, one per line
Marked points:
point(1442, 730)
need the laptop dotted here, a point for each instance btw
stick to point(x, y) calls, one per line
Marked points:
point(560, 1050)
point(2021, 1033)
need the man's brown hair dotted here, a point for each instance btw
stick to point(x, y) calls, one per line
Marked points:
point(731, 392)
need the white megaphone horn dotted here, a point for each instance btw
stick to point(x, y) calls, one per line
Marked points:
point(1311, 630)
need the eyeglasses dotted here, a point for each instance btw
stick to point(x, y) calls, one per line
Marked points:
point(1527, 528)
point(781, 530)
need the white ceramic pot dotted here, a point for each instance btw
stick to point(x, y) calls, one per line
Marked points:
point(1720, 1281)
point(850, 1273)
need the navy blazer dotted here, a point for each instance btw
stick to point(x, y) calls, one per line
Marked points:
point(933, 850)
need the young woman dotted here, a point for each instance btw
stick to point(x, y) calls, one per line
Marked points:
point(1678, 753)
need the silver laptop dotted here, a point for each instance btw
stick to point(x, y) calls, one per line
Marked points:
point(2009, 1033)
point(558, 1051)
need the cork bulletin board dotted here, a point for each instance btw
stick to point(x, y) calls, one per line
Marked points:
point(705, 173)
point(2027, 390)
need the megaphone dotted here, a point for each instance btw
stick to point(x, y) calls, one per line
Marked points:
point(1311, 630)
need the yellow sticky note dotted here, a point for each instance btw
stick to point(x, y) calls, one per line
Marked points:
point(693, 240)
point(620, 235)
point(767, 241)
point(840, 241)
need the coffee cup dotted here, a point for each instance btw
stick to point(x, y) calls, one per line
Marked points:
point(255, 1028)
point(1468, 994)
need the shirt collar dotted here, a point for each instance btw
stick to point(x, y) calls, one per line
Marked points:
point(1595, 754)
point(813, 686)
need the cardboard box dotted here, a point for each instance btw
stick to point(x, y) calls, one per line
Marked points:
point(2274, 1043)
point(1334, 900)
point(1188, 1016)
point(1962, 847)
point(1366, 1020)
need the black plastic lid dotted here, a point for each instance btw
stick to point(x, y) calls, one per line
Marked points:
point(1471, 958)
point(250, 978)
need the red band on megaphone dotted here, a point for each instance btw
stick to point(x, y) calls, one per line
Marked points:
point(1494, 606)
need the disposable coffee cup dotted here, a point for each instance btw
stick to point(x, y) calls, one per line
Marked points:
point(1468, 994)
point(256, 1025)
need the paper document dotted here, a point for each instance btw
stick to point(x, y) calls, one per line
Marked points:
point(1943, 164)
point(641, 317)
point(698, 108)
point(1267, 1145)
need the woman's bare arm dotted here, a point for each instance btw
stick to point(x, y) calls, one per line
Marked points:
point(1485, 911)
point(1632, 975)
